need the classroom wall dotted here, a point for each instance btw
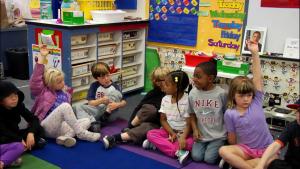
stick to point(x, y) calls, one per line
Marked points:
point(281, 23)
point(140, 11)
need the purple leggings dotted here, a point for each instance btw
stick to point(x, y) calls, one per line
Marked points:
point(11, 152)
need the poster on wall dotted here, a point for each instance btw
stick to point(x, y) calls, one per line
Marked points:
point(281, 3)
point(53, 59)
point(221, 28)
point(173, 21)
point(255, 35)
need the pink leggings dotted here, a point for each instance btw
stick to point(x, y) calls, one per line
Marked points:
point(159, 137)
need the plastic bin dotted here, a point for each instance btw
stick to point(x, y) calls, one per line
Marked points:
point(17, 61)
point(194, 60)
point(87, 5)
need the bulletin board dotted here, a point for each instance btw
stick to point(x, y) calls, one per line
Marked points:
point(173, 21)
point(220, 27)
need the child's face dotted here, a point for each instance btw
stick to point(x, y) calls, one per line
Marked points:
point(59, 83)
point(10, 101)
point(243, 100)
point(104, 80)
point(201, 79)
point(170, 87)
point(159, 83)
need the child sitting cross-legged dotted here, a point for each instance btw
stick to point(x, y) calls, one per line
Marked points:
point(13, 140)
point(104, 98)
point(173, 138)
point(52, 105)
point(145, 116)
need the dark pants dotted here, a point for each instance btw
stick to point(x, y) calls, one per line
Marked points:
point(280, 164)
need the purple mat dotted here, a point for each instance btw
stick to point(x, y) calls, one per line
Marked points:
point(116, 127)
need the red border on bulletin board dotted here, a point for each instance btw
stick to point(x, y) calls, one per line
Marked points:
point(281, 3)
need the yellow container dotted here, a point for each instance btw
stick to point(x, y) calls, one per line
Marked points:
point(87, 5)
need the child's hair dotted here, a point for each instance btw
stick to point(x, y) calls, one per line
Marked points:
point(6, 89)
point(181, 79)
point(209, 68)
point(51, 75)
point(159, 74)
point(240, 85)
point(100, 69)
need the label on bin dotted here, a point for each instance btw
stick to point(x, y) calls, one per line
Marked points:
point(232, 63)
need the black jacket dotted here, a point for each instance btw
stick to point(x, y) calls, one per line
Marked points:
point(9, 120)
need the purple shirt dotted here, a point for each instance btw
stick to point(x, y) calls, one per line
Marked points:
point(61, 97)
point(251, 128)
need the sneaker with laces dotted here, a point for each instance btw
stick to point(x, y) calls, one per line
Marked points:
point(182, 156)
point(88, 136)
point(66, 141)
point(109, 142)
point(16, 163)
point(224, 165)
point(148, 145)
point(124, 130)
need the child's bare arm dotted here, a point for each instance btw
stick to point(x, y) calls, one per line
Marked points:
point(167, 127)
point(115, 105)
point(97, 102)
point(231, 137)
point(256, 67)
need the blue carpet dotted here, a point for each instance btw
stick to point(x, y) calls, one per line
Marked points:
point(86, 155)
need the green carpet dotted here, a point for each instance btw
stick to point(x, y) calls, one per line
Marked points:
point(32, 162)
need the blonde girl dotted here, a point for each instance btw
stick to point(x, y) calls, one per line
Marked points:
point(245, 119)
point(145, 116)
point(52, 105)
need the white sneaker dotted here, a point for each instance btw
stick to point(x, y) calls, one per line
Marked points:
point(16, 163)
point(88, 136)
point(66, 141)
point(182, 156)
point(148, 145)
point(224, 165)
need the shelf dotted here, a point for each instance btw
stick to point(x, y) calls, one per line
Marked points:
point(131, 52)
point(131, 64)
point(82, 75)
point(82, 60)
point(108, 43)
point(78, 89)
point(107, 56)
point(190, 70)
point(130, 76)
point(82, 46)
point(132, 88)
point(131, 40)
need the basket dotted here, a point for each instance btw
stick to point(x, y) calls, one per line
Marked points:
point(87, 5)
point(194, 60)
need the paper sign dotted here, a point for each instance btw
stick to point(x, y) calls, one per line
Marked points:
point(291, 49)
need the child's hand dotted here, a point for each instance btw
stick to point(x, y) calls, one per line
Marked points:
point(30, 141)
point(113, 106)
point(182, 142)
point(196, 135)
point(43, 53)
point(105, 100)
point(172, 137)
point(252, 46)
point(1, 165)
point(24, 144)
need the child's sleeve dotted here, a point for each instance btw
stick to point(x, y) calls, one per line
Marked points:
point(229, 123)
point(36, 82)
point(258, 98)
point(163, 105)
point(31, 119)
point(8, 136)
point(91, 92)
point(190, 109)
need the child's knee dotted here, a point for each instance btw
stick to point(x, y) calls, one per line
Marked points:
point(197, 156)
point(211, 159)
point(18, 147)
point(223, 151)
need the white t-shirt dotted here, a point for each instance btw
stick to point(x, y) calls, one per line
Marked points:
point(175, 118)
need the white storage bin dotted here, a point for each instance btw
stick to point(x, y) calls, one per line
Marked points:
point(81, 81)
point(129, 83)
point(78, 40)
point(79, 54)
point(131, 70)
point(107, 50)
point(128, 59)
point(108, 36)
point(130, 35)
point(107, 16)
point(129, 46)
point(80, 95)
point(81, 69)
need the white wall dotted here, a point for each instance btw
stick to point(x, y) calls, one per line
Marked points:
point(281, 23)
point(140, 11)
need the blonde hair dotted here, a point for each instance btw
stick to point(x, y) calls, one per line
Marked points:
point(158, 74)
point(240, 85)
point(100, 69)
point(51, 75)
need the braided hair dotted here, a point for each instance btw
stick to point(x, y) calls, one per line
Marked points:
point(181, 79)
